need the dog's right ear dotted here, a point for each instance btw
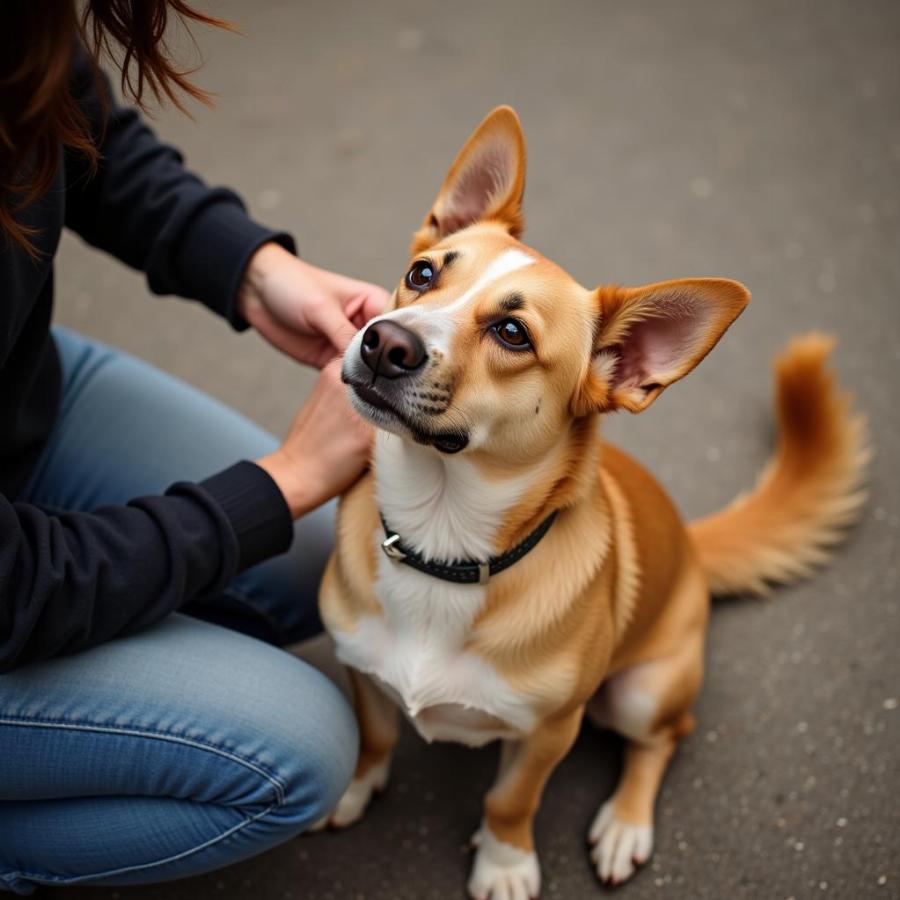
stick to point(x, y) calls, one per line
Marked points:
point(485, 182)
point(650, 337)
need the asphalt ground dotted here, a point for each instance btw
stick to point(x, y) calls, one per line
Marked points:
point(755, 140)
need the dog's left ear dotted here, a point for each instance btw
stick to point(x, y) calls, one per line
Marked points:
point(485, 182)
point(649, 337)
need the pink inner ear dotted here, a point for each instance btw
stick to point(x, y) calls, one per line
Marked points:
point(656, 349)
point(482, 180)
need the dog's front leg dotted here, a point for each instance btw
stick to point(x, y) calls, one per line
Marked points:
point(506, 864)
point(377, 717)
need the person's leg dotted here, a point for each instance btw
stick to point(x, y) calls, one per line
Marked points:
point(127, 429)
point(172, 752)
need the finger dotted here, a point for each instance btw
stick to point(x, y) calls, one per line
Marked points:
point(375, 302)
point(314, 351)
point(367, 303)
point(367, 307)
point(329, 319)
point(353, 307)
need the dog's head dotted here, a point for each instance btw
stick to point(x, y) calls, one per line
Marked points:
point(489, 345)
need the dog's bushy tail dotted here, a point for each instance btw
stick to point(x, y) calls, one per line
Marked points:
point(807, 495)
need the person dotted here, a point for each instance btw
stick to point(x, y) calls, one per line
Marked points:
point(156, 548)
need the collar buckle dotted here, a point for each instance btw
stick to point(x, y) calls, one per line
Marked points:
point(391, 548)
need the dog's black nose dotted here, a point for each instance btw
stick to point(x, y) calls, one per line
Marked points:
point(391, 350)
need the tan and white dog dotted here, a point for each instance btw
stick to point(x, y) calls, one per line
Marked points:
point(486, 379)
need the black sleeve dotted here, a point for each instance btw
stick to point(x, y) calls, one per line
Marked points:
point(145, 208)
point(70, 581)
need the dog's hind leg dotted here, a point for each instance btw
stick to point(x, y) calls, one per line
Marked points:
point(377, 717)
point(649, 704)
point(506, 865)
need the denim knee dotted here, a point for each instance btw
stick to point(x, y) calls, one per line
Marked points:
point(315, 777)
point(228, 746)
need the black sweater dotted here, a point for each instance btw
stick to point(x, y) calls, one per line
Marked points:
point(71, 581)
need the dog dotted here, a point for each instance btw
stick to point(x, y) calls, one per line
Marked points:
point(501, 571)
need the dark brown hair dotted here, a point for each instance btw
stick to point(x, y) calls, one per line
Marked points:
point(38, 115)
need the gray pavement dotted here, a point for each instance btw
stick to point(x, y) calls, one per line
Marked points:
point(757, 140)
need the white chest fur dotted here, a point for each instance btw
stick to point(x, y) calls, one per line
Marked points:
point(443, 509)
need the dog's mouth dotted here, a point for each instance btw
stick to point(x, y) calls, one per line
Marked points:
point(373, 398)
point(387, 413)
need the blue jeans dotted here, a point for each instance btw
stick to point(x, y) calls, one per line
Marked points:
point(187, 746)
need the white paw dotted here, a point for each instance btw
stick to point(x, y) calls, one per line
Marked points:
point(356, 798)
point(618, 847)
point(501, 871)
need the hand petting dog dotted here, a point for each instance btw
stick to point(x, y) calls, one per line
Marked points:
point(311, 315)
point(306, 312)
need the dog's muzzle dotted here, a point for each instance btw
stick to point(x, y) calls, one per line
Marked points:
point(378, 371)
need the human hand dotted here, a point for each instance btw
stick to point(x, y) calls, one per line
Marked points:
point(306, 312)
point(326, 449)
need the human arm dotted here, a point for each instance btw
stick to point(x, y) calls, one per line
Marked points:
point(146, 208)
point(70, 581)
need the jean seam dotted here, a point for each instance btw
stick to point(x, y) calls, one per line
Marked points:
point(59, 879)
point(152, 734)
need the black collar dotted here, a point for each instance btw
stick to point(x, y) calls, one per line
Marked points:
point(463, 571)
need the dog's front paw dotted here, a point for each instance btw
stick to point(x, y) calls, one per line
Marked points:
point(618, 847)
point(502, 871)
point(356, 798)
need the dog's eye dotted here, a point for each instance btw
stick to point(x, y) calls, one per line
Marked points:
point(512, 333)
point(421, 276)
